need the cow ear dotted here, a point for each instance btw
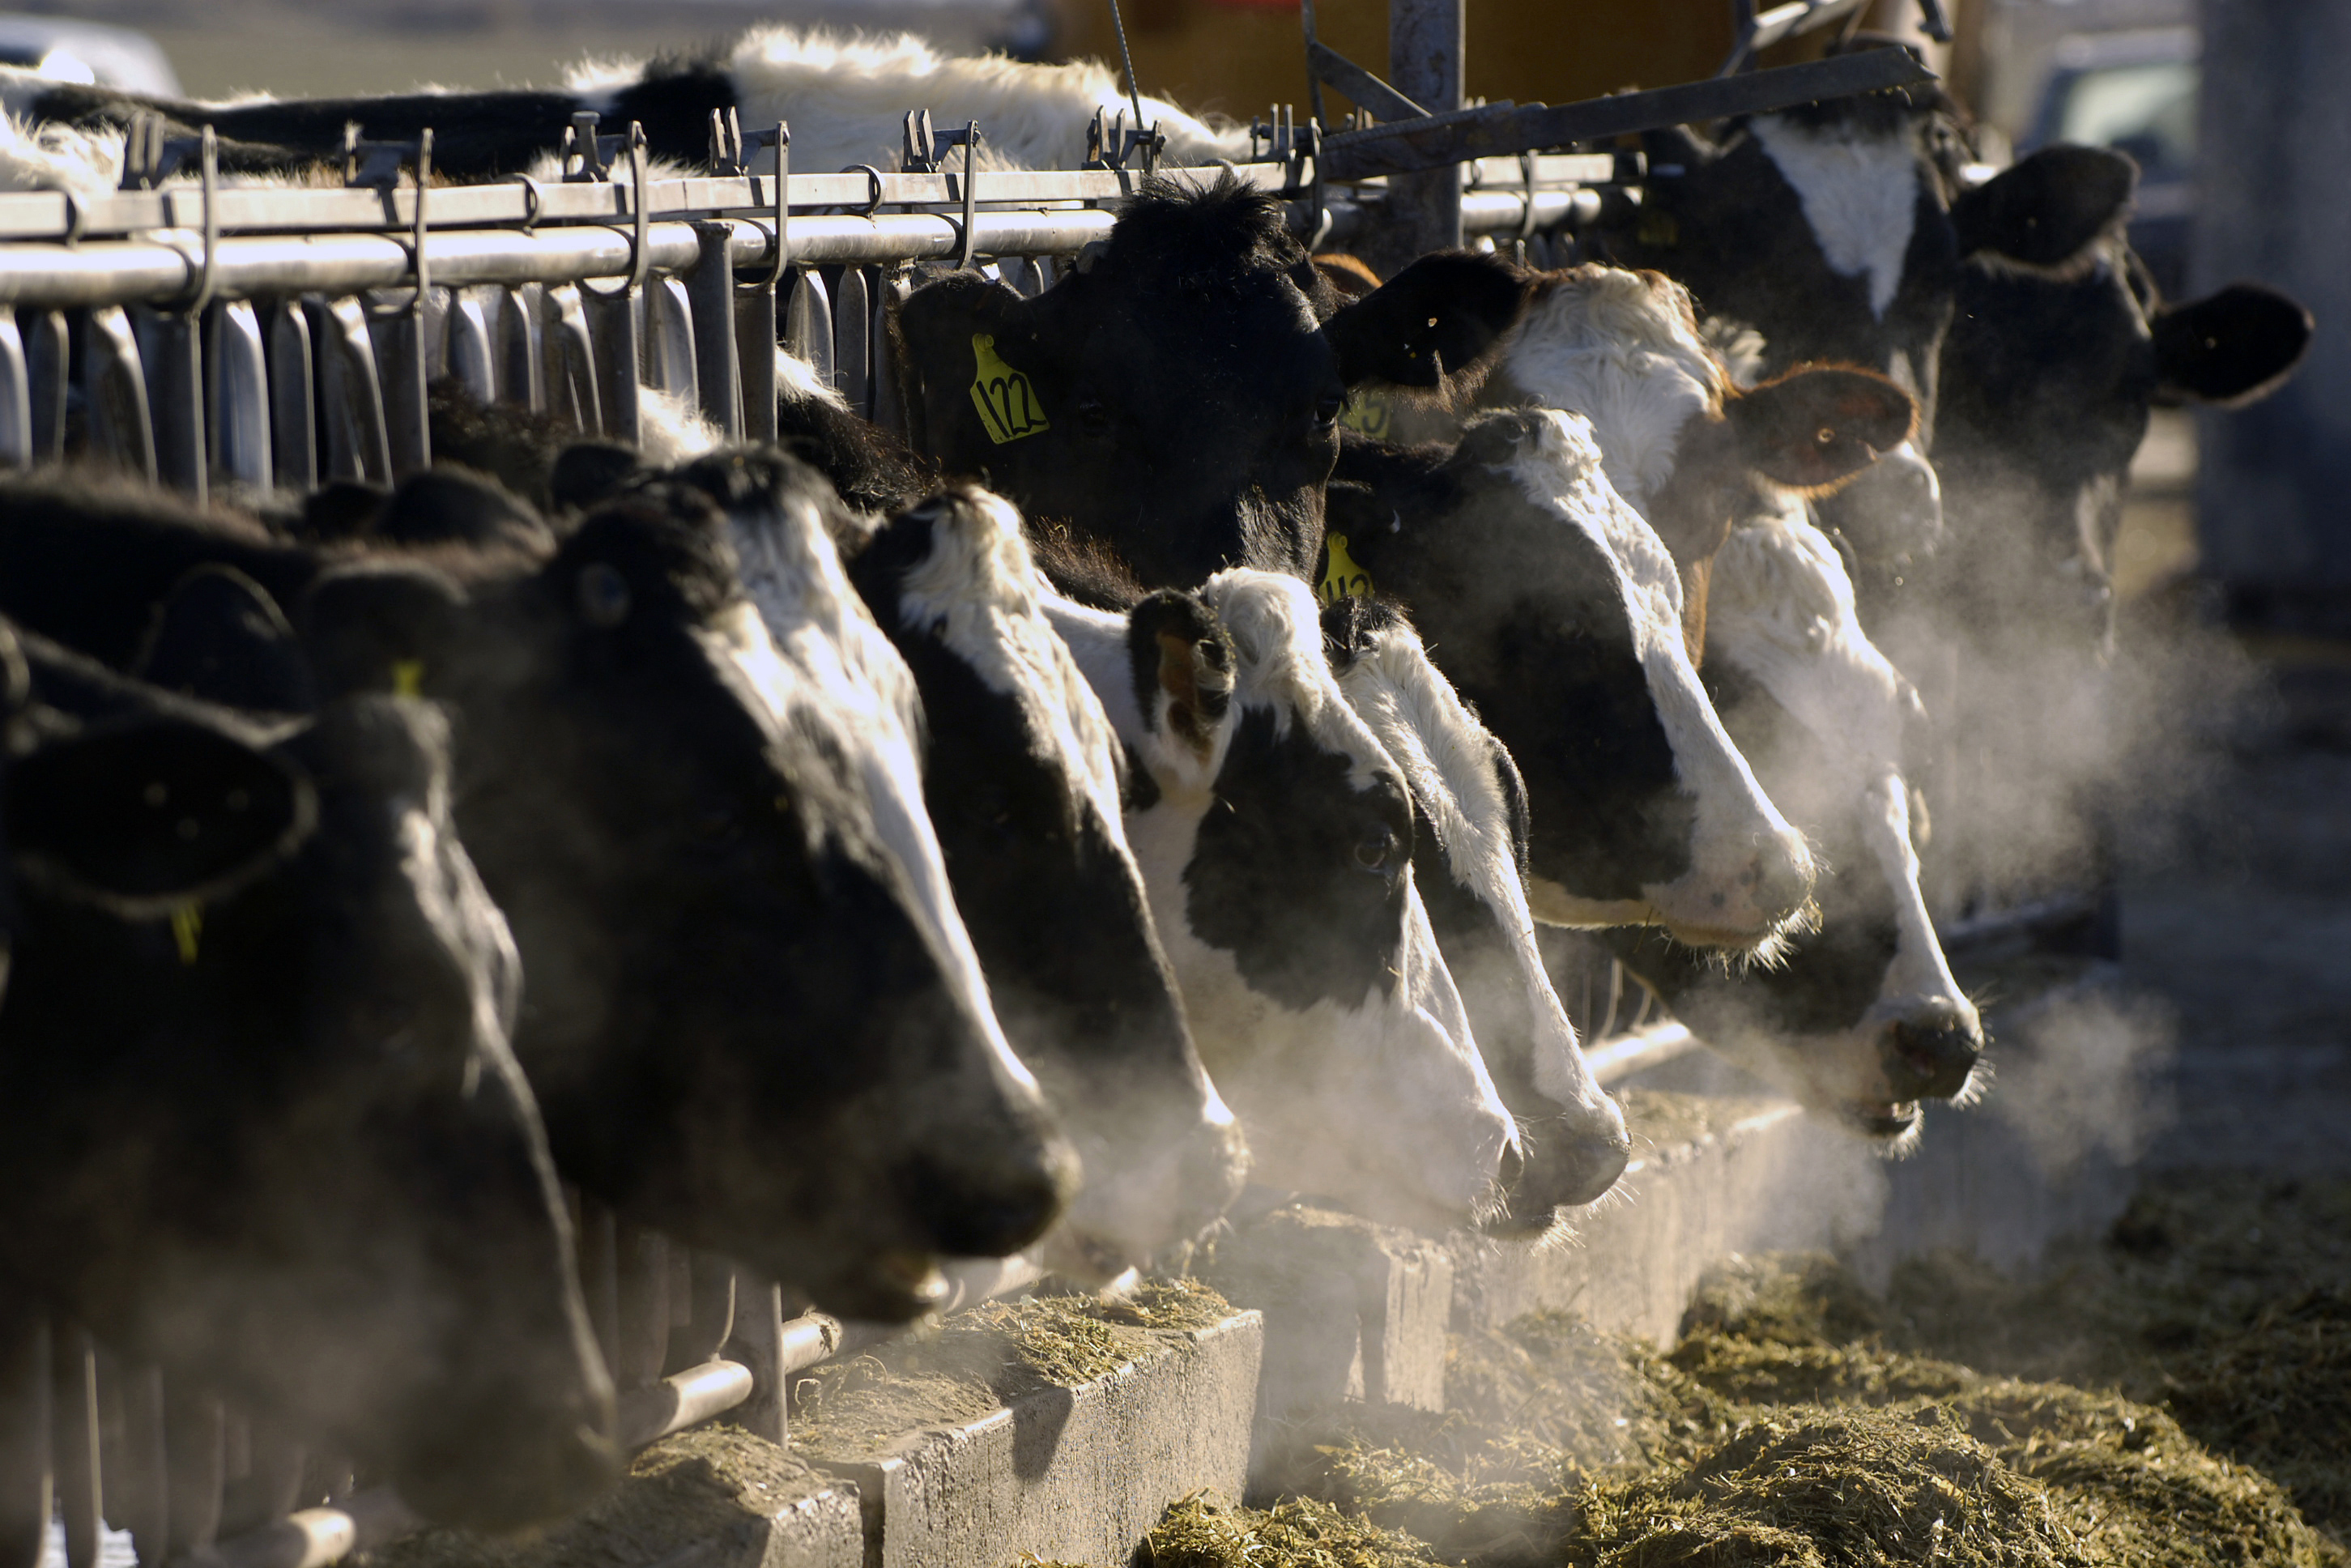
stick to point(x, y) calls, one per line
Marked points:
point(962, 331)
point(146, 815)
point(1812, 428)
point(588, 473)
point(1181, 653)
point(2230, 348)
point(392, 627)
point(2044, 210)
point(1432, 320)
point(219, 636)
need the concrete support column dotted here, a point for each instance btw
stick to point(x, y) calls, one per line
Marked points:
point(2274, 494)
point(1425, 41)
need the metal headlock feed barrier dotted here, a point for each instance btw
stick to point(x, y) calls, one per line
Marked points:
point(197, 332)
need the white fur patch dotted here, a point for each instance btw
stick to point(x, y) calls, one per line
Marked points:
point(671, 428)
point(810, 647)
point(1559, 470)
point(846, 98)
point(84, 165)
point(1621, 349)
point(1860, 195)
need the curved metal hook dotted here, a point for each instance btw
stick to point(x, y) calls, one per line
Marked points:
point(423, 184)
point(209, 269)
point(874, 178)
point(641, 253)
point(533, 201)
point(775, 277)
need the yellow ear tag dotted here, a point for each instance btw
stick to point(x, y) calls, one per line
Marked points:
point(408, 677)
point(1366, 412)
point(1658, 229)
point(1341, 578)
point(1006, 402)
point(187, 928)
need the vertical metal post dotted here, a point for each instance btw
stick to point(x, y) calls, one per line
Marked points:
point(889, 395)
point(570, 360)
point(116, 393)
point(719, 380)
point(192, 1443)
point(49, 361)
point(292, 399)
point(358, 445)
point(15, 396)
point(522, 368)
point(146, 1496)
point(619, 349)
point(757, 1343)
point(643, 1306)
point(175, 397)
point(25, 1466)
point(852, 340)
point(241, 395)
point(79, 1496)
point(468, 354)
point(808, 322)
point(1425, 42)
point(698, 1338)
point(669, 322)
point(754, 348)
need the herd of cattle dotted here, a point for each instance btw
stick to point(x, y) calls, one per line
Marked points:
point(840, 865)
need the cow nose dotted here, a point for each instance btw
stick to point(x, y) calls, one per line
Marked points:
point(983, 1208)
point(1511, 1169)
point(1930, 1055)
point(1215, 1166)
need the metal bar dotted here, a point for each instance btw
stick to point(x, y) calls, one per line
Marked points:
point(719, 380)
point(617, 337)
point(671, 357)
point(643, 1302)
point(652, 1412)
point(16, 397)
point(400, 357)
point(755, 360)
point(757, 1343)
point(241, 408)
point(25, 1463)
point(146, 1510)
point(808, 319)
point(852, 340)
point(175, 363)
point(1409, 145)
point(1368, 92)
point(80, 1501)
point(570, 360)
point(358, 445)
point(1612, 1061)
point(293, 398)
point(1425, 42)
point(469, 355)
point(889, 399)
point(522, 369)
point(116, 393)
point(316, 1537)
point(114, 272)
point(48, 360)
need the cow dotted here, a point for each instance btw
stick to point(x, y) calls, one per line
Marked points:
point(1021, 792)
point(792, 1065)
point(846, 98)
point(1276, 837)
point(1858, 1016)
point(1177, 396)
point(1470, 868)
point(263, 1124)
point(1558, 614)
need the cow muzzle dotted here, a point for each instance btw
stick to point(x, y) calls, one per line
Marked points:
point(1931, 1054)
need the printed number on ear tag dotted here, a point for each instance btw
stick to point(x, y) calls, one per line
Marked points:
point(1006, 402)
point(187, 931)
point(1368, 413)
point(408, 677)
point(1341, 578)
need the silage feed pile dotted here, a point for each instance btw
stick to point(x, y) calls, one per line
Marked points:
point(2167, 1399)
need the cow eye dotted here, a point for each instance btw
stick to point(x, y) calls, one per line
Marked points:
point(1093, 416)
point(603, 594)
point(1328, 406)
point(1375, 851)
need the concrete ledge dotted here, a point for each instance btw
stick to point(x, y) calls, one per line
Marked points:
point(1352, 1310)
point(1074, 1474)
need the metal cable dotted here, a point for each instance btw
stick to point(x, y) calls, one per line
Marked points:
point(1134, 93)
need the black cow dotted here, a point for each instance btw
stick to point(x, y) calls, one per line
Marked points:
point(740, 1028)
point(1177, 395)
point(261, 1120)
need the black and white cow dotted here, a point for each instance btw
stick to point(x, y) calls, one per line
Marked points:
point(1470, 870)
point(1859, 1014)
point(1020, 792)
point(1557, 613)
point(262, 1121)
point(1276, 837)
point(791, 1064)
point(846, 98)
point(1177, 396)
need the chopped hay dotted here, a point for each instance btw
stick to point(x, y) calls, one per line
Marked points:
point(1199, 1532)
point(978, 1360)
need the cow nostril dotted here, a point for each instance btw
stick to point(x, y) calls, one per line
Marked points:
point(1511, 1168)
point(1931, 1058)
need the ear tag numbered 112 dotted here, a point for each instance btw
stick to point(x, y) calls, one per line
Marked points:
point(1007, 402)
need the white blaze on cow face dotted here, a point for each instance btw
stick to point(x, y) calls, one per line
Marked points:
point(1784, 617)
point(1454, 767)
point(1161, 1151)
point(1749, 869)
point(815, 658)
point(1350, 1062)
point(1859, 189)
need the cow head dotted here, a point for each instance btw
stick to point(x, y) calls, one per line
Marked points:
point(1276, 837)
point(793, 1062)
point(1470, 868)
point(2060, 349)
point(1024, 778)
point(1178, 394)
point(1859, 1017)
point(1557, 613)
point(264, 1125)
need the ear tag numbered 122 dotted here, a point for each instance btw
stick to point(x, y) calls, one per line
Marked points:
point(1341, 578)
point(1007, 402)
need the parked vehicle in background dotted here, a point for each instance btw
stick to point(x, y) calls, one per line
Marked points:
point(89, 52)
point(2134, 92)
